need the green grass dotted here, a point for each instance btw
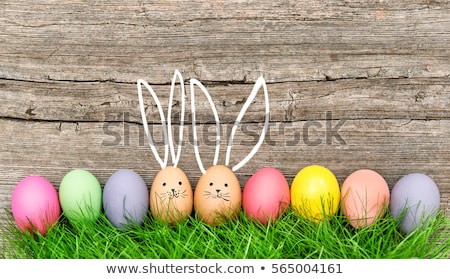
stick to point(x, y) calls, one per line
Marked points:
point(290, 237)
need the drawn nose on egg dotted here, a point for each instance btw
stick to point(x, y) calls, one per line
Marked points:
point(175, 193)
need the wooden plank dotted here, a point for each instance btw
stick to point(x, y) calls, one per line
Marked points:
point(418, 98)
point(218, 41)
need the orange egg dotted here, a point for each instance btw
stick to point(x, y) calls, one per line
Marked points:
point(364, 197)
point(218, 195)
point(171, 198)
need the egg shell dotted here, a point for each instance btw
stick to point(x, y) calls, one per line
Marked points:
point(217, 196)
point(171, 196)
point(125, 198)
point(415, 199)
point(80, 195)
point(315, 193)
point(266, 195)
point(364, 197)
point(35, 204)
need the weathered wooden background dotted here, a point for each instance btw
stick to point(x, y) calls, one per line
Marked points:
point(352, 84)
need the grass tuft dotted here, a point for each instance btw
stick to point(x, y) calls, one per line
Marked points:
point(289, 237)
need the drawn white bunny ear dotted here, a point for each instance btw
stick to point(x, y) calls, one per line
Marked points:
point(194, 82)
point(176, 158)
point(260, 82)
point(141, 82)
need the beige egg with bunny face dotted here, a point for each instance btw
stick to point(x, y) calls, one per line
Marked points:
point(218, 195)
point(171, 197)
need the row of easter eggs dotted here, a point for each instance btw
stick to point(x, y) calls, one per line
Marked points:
point(364, 196)
point(314, 194)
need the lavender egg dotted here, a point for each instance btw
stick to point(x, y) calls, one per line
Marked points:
point(125, 198)
point(415, 199)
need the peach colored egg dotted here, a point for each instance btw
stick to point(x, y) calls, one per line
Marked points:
point(266, 195)
point(364, 197)
point(218, 195)
point(171, 197)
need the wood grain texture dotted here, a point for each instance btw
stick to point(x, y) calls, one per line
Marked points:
point(223, 40)
point(352, 84)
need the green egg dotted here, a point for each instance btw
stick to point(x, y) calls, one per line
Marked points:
point(80, 196)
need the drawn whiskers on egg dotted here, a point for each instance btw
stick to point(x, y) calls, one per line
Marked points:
point(217, 195)
point(173, 194)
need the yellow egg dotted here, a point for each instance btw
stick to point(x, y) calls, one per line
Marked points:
point(218, 195)
point(171, 198)
point(315, 193)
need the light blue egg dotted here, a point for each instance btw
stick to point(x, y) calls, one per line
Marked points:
point(415, 199)
point(125, 198)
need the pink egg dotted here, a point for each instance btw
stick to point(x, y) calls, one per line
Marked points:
point(266, 195)
point(35, 204)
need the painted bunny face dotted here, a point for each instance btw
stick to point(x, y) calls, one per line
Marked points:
point(171, 195)
point(217, 195)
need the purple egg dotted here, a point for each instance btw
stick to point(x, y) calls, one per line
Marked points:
point(125, 198)
point(415, 198)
